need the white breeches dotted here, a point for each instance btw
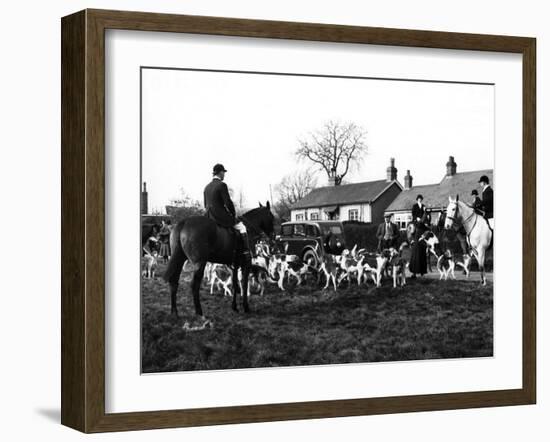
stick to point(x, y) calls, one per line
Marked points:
point(239, 227)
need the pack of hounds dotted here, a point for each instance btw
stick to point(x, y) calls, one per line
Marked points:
point(355, 266)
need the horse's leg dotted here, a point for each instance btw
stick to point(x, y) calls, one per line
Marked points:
point(481, 262)
point(198, 273)
point(172, 274)
point(245, 271)
point(236, 288)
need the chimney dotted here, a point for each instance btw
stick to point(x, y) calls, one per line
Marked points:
point(332, 181)
point(451, 167)
point(144, 200)
point(408, 180)
point(391, 171)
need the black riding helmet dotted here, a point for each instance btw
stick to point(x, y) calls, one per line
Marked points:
point(218, 168)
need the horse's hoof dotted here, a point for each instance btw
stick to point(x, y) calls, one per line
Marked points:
point(235, 308)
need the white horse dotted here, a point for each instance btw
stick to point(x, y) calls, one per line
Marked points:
point(478, 233)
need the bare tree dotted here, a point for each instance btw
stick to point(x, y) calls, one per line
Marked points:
point(334, 148)
point(241, 200)
point(292, 188)
point(184, 206)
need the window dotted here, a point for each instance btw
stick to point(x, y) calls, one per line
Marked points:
point(287, 230)
point(334, 229)
point(353, 215)
point(312, 231)
point(299, 230)
point(314, 216)
point(299, 217)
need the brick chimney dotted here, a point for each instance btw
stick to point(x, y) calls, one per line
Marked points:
point(408, 180)
point(144, 200)
point(332, 181)
point(391, 171)
point(451, 167)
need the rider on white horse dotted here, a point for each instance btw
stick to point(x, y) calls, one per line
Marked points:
point(478, 233)
point(486, 200)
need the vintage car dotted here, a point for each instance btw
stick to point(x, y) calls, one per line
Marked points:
point(311, 239)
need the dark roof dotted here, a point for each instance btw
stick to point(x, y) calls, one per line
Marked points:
point(343, 194)
point(437, 195)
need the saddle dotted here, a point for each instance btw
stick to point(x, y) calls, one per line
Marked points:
point(488, 225)
point(233, 235)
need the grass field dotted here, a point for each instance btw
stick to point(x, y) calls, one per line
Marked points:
point(428, 319)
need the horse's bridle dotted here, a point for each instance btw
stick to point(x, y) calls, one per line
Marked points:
point(455, 222)
point(256, 231)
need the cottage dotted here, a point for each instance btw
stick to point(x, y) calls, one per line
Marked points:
point(364, 202)
point(436, 196)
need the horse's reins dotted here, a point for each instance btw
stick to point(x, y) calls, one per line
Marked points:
point(258, 232)
point(454, 220)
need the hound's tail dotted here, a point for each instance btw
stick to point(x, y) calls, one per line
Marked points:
point(177, 258)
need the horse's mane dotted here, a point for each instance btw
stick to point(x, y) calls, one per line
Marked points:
point(463, 205)
point(255, 215)
point(253, 212)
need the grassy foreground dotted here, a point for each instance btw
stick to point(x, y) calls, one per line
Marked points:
point(428, 319)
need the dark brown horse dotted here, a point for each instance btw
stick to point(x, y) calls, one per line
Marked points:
point(199, 240)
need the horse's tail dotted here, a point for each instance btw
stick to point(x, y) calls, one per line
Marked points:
point(177, 257)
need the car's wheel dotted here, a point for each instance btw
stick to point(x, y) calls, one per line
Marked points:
point(311, 257)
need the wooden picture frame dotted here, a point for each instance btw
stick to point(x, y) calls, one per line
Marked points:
point(83, 220)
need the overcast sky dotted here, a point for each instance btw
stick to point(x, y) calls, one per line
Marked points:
point(251, 123)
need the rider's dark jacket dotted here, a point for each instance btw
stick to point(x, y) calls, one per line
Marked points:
point(487, 202)
point(477, 205)
point(418, 212)
point(218, 204)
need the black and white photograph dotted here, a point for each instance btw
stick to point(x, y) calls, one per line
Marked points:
point(307, 219)
point(253, 221)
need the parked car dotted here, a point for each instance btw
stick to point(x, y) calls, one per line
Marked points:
point(310, 240)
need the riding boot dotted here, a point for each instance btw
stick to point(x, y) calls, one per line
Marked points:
point(247, 257)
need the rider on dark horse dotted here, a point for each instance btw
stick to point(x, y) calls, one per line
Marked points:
point(221, 209)
point(420, 217)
